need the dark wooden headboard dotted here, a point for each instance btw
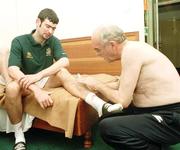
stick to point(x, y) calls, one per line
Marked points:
point(83, 58)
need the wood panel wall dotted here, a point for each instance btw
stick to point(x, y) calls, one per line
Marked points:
point(83, 58)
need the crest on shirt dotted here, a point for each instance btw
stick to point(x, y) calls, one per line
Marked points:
point(29, 55)
point(48, 52)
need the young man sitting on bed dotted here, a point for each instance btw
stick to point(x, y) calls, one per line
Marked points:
point(31, 67)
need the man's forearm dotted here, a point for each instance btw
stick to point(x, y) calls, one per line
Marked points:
point(34, 88)
point(110, 93)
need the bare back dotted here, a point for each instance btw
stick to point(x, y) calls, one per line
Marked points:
point(148, 77)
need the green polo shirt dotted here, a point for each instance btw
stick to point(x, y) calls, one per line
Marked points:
point(32, 57)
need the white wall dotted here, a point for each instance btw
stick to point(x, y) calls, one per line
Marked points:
point(77, 17)
point(8, 24)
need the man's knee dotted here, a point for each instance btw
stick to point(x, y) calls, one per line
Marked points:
point(64, 75)
point(119, 136)
point(12, 89)
point(63, 71)
point(106, 128)
point(109, 133)
point(111, 130)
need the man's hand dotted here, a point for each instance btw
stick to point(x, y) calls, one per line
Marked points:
point(43, 98)
point(27, 80)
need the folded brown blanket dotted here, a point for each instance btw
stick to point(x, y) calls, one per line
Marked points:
point(61, 114)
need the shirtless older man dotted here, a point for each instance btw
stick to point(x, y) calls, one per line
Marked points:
point(149, 92)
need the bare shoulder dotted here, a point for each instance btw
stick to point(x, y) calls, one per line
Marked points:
point(139, 52)
point(133, 51)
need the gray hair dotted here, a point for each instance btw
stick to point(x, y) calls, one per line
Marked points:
point(110, 33)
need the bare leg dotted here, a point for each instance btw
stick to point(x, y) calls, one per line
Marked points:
point(13, 96)
point(69, 82)
point(13, 102)
point(13, 105)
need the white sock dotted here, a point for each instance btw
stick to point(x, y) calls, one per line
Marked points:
point(18, 133)
point(115, 107)
point(95, 102)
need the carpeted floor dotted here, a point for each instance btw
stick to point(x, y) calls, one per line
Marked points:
point(45, 140)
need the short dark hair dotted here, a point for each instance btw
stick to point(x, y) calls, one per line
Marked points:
point(48, 14)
